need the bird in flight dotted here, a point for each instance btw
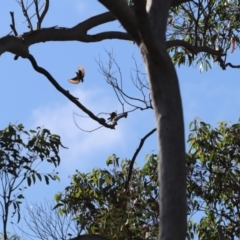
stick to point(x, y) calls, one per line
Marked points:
point(79, 76)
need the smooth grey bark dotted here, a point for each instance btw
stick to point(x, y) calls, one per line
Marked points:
point(169, 120)
point(148, 30)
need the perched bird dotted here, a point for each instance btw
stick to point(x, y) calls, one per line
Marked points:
point(79, 76)
point(112, 116)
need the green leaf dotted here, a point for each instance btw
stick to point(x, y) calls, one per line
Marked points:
point(46, 179)
point(29, 181)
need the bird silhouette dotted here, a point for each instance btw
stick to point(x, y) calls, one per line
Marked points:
point(112, 116)
point(79, 76)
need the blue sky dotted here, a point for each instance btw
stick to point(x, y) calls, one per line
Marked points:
point(28, 97)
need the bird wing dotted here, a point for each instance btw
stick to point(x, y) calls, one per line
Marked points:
point(74, 80)
point(81, 72)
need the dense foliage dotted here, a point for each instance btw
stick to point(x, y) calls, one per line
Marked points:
point(200, 26)
point(213, 179)
point(101, 205)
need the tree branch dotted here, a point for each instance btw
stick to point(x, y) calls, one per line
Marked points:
point(97, 20)
point(19, 45)
point(25, 13)
point(66, 93)
point(134, 158)
point(125, 15)
point(45, 10)
point(37, 13)
point(231, 65)
point(13, 27)
point(193, 49)
point(15, 45)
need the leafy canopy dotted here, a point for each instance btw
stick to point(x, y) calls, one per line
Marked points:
point(101, 205)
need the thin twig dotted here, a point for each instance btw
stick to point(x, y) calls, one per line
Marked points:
point(117, 83)
point(89, 131)
point(13, 24)
point(25, 13)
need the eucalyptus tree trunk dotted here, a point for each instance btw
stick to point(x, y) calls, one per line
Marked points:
point(167, 104)
point(170, 127)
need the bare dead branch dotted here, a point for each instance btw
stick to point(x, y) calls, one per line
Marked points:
point(66, 93)
point(134, 158)
point(13, 27)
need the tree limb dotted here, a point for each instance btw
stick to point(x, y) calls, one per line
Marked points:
point(193, 49)
point(15, 45)
point(66, 93)
point(19, 45)
point(125, 15)
point(97, 20)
